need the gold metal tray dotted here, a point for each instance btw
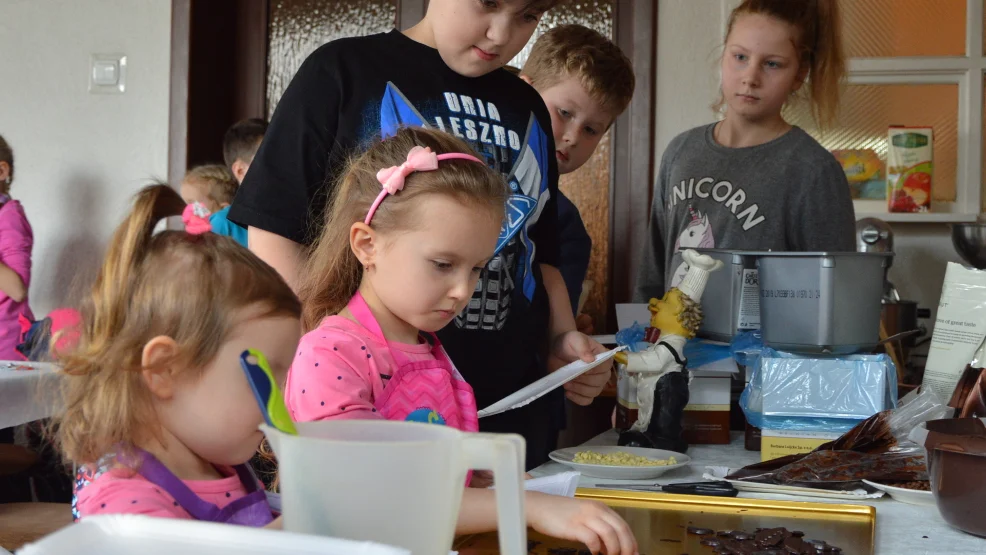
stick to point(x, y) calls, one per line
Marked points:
point(660, 521)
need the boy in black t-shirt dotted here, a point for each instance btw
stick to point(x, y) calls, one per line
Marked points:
point(444, 73)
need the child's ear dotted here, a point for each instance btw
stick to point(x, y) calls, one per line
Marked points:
point(363, 241)
point(526, 79)
point(157, 366)
point(240, 169)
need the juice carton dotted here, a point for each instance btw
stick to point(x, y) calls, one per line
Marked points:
point(909, 169)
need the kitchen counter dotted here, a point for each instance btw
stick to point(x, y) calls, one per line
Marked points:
point(900, 528)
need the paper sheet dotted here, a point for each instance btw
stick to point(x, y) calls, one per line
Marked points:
point(542, 387)
point(562, 484)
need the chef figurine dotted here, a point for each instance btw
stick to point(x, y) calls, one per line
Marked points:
point(659, 373)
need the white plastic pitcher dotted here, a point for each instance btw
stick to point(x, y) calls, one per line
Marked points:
point(396, 483)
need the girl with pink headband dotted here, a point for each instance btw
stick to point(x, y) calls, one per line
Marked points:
point(412, 223)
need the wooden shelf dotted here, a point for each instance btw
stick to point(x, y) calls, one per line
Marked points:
point(926, 217)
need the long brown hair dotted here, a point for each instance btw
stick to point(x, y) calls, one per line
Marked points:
point(819, 42)
point(186, 287)
point(332, 273)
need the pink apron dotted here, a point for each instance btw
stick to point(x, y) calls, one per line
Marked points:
point(430, 391)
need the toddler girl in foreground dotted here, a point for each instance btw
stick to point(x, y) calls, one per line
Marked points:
point(154, 394)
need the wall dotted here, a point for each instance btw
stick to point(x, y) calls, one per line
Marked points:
point(80, 157)
point(690, 34)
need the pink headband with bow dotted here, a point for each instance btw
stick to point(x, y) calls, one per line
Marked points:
point(419, 159)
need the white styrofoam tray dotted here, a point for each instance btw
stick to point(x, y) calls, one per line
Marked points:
point(720, 473)
point(128, 534)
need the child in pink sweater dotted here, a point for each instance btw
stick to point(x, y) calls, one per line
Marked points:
point(413, 222)
point(16, 241)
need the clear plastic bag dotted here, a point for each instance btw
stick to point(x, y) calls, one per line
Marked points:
point(632, 338)
point(746, 348)
point(793, 392)
point(875, 449)
point(700, 352)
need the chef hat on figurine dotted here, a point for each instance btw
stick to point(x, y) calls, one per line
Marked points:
point(699, 268)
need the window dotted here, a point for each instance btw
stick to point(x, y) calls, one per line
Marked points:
point(918, 63)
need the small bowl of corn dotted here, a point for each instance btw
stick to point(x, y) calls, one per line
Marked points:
point(620, 463)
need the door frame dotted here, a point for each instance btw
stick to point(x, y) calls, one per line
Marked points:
point(249, 85)
point(632, 170)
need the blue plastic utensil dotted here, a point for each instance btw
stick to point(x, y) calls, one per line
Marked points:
point(265, 390)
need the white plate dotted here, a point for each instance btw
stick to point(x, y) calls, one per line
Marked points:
point(904, 495)
point(530, 393)
point(567, 457)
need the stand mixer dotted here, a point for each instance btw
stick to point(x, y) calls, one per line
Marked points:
point(875, 235)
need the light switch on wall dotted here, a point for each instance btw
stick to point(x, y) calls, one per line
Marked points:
point(108, 74)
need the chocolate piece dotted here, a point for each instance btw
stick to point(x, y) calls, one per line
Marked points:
point(766, 541)
point(771, 537)
point(793, 545)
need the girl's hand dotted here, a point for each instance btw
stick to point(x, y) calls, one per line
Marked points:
point(590, 522)
point(572, 346)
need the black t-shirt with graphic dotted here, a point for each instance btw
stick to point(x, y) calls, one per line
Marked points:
point(349, 92)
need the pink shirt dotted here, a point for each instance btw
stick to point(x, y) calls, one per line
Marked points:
point(340, 369)
point(122, 491)
point(16, 241)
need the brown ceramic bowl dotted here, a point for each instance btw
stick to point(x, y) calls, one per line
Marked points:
point(957, 468)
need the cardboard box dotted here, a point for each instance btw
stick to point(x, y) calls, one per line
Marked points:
point(779, 443)
point(706, 419)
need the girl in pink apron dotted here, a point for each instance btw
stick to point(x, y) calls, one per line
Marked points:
point(400, 264)
point(413, 222)
point(157, 414)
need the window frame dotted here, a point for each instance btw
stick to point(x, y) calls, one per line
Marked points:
point(968, 73)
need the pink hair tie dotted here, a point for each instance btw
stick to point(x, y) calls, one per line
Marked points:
point(196, 218)
point(419, 159)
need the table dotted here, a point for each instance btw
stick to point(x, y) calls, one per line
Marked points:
point(27, 395)
point(900, 528)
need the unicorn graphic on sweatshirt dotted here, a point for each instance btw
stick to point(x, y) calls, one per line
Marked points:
point(696, 235)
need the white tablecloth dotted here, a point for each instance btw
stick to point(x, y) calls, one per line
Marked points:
point(900, 528)
point(26, 395)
